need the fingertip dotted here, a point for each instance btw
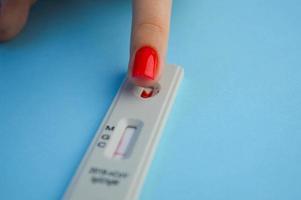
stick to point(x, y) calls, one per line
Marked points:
point(149, 39)
point(145, 67)
point(143, 82)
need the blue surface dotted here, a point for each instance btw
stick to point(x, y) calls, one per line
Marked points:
point(234, 131)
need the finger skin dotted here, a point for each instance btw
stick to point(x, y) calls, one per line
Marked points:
point(150, 28)
point(13, 16)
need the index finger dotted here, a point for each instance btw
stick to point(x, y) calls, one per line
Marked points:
point(150, 29)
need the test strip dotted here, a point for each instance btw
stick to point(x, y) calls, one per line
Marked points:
point(122, 150)
point(116, 163)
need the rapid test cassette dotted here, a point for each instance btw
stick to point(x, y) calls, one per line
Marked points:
point(116, 163)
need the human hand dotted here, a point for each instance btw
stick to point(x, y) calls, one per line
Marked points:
point(150, 29)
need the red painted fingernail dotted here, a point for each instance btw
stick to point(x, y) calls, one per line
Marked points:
point(145, 63)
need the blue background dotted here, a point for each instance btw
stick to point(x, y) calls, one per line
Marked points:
point(234, 131)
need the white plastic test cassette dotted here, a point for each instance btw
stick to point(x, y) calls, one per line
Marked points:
point(117, 160)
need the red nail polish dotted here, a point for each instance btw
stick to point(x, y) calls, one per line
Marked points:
point(145, 63)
